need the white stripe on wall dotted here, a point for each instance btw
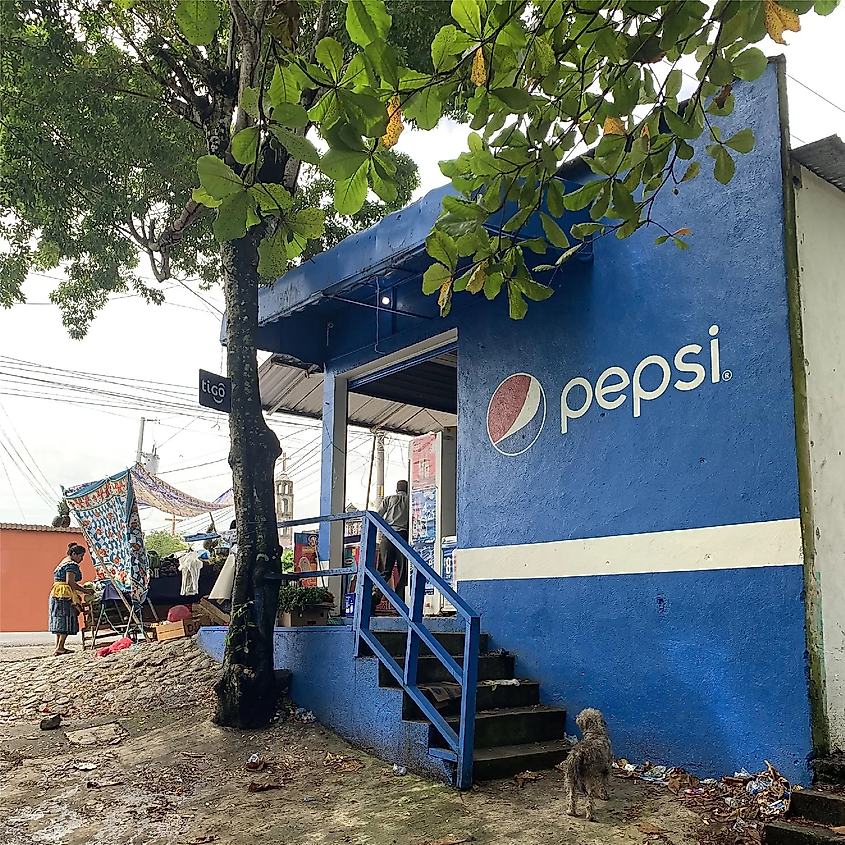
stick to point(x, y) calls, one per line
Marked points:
point(751, 544)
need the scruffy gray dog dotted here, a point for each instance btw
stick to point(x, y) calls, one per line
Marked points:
point(587, 767)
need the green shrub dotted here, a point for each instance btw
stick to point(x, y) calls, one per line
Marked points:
point(295, 597)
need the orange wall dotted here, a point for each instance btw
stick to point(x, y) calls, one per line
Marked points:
point(27, 561)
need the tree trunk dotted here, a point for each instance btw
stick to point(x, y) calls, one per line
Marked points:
point(246, 692)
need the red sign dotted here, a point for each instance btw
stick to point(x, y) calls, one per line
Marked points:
point(423, 462)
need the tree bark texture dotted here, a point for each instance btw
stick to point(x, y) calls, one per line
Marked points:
point(246, 692)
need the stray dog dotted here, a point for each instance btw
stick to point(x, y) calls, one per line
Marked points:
point(587, 766)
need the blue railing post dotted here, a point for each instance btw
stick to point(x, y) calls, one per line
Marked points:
point(472, 638)
point(364, 586)
point(412, 647)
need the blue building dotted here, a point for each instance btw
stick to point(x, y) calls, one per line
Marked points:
point(649, 466)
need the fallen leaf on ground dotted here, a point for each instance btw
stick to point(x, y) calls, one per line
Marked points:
point(649, 828)
point(263, 787)
point(106, 784)
point(522, 777)
point(839, 829)
point(451, 840)
point(342, 765)
point(256, 765)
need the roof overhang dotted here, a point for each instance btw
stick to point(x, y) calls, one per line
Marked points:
point(391, 403)
point(825, 158)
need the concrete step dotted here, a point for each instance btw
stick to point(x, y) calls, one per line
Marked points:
point(506, 760)
point(818, 806)
point(486, 698)
point(431, 670)
point(792, 833)
point(515, 726)
point(830, 769)
point(395, 642)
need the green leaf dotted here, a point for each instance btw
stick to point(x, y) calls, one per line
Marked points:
point(448, 43)
point(383, 185)
point(434, 278)
point(202, 196)
point(493, 284)
point(309, 222)
point(825, 7)
point(249, 102)
point(198, 20)
point(517, 99)
point(291, 115)
point(329, 54)
point(680, 244)
point(623, 203)
point(725, 166)
point(425, 108)
point(583, 196)
point(299, 147)
point(750, 64)
point(272, 256)
point(661, 240)
point(691, 171)
point(467, 14)
point(383, 58)
point(517, 306)
point(678, 126)
point(284, 87)
point(349, 194)
point(364, 111)
point(554, 197)
point(673, 83)
point(742, 141)
point(231, 217)
point(533, 290)
point(271, 197)
point(245, 145)
point(342, 164)
point(367, 21)
point(218, 179)
point(556, 235)
point(327, 110)
point(584, 230)
point(442, 247)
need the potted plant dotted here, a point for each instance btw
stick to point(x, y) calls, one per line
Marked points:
point(304, 606)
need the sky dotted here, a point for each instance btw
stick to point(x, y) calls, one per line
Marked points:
point(151, 354)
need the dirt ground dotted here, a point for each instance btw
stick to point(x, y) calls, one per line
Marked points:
point(171, 776)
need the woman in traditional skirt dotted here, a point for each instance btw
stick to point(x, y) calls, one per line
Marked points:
point(66, 597)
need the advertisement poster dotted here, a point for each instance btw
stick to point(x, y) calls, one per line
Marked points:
point(306, 557)
point(423, 462)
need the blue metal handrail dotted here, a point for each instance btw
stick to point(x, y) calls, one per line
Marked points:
point(461, 742)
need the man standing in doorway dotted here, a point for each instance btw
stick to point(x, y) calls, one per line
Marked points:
point(394, 510)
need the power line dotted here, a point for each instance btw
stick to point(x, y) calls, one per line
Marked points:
point(813, 91)
point(12, 488)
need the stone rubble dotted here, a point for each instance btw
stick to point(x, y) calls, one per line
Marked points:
point(171, 675)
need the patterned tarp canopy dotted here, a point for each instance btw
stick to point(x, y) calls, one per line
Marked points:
point(107, 511)
point(150, 490)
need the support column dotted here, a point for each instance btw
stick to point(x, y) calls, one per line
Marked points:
point(333, 467)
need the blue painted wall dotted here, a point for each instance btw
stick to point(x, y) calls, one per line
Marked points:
point(681, 663)
point(343, 693)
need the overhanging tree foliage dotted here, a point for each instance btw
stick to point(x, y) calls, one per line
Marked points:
point(538, 81)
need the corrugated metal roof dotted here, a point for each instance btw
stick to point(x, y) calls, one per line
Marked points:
point(292, 388)
point(19, 526)
point(825, 158)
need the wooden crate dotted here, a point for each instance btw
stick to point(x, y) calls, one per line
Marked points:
point(176, 630)
point(306, 617)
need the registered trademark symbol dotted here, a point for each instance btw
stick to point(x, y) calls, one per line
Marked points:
point(727, 375)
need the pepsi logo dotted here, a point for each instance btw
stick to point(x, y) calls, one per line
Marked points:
point(516, 414)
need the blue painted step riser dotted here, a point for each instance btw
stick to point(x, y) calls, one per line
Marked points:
point(512, 728)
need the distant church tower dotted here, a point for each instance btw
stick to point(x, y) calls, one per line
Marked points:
point(284, 503)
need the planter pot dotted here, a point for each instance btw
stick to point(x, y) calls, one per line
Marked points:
point(302, 617)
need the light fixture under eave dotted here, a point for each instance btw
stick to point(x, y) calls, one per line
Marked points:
point(385, 300)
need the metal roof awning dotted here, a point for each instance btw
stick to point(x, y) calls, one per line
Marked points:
point(291, 387)
point(825, 158)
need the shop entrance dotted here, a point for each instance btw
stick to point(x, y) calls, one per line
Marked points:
point(415, 403)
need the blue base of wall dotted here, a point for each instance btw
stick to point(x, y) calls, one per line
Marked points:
point(703, 670)
point(343, 693)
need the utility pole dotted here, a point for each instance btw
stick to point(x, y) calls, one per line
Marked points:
point(140, 453)
point(379, 468)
